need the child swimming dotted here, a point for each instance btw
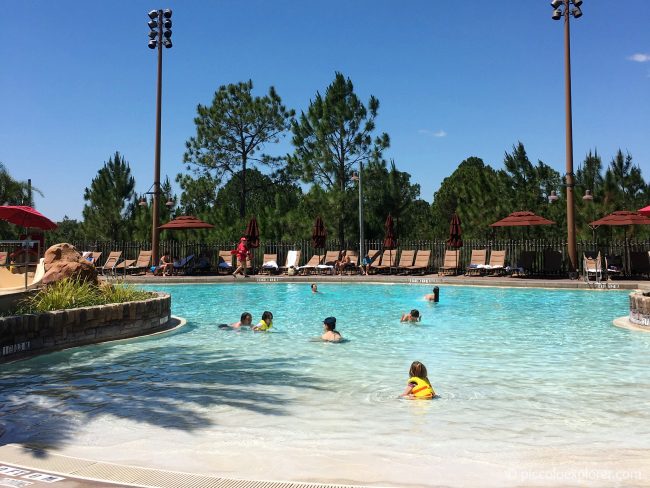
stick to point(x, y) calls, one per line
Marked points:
point(330, 335)
point(419, 387)
point(413, 316)
point(266, 323)
point(246, 320)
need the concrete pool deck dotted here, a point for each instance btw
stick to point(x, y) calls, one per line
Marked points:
point(432, 279)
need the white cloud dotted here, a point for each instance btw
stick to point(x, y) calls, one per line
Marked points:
point(639, 58)
point(437, 133)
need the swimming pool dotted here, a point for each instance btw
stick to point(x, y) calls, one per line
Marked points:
point(536, 387)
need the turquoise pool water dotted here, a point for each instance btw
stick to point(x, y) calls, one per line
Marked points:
point(535, 385)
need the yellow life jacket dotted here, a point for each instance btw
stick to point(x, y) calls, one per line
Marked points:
point(422, 388)
point(263, 325)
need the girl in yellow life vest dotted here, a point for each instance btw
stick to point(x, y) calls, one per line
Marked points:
point(419, 387)
point(266, 323)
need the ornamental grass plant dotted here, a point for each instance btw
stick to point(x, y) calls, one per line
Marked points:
point(69, 293)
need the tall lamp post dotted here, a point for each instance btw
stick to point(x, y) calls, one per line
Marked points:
point(160, 35)
point(361, 237)
point(563, 8)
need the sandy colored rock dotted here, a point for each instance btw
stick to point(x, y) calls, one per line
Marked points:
point(64, 261)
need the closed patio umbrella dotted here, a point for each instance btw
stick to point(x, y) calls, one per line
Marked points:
point(318, 234)
point(390, 242)
point(253, 233)
point(455, 240)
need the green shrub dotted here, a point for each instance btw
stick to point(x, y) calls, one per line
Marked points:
point(68, 293)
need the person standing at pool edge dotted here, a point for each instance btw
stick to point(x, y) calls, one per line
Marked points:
point(242, 253)
point(330, 335)
point(419, 387)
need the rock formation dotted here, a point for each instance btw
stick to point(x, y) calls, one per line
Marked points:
point(64, 261)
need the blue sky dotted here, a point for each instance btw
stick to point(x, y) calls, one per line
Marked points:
point(454, 79)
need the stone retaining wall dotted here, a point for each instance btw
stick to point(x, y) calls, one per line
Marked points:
point(28, 335)
point(640, 308)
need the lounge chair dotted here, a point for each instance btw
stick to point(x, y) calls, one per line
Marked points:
point(292, 262)
point(269, 264)
point(353, 266)
point(406, 259)
point(497, 264)
point(224, 264)
point(613, 266)
point(91, 256)
point(477, 261)
point(639, 263)
point(525, 263)
point(183, 265)
point(111, 262)
point(450, 264)
point(422, 259)
point(310, 266)
point(388, 260)
point(329, 262)
point(592, 268)
point(142, 263)
point(552, 262)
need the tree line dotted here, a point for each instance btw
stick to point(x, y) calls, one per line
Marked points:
point(234, 171)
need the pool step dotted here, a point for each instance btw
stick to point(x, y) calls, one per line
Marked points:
point(115, 474)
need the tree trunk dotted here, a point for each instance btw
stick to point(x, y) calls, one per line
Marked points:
point(242, 195)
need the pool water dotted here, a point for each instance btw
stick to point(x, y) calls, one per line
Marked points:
point(536, 387)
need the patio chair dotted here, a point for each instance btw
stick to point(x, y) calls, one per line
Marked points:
point(406, 259)
point(639, 263)
point(592, 268)
point(329, 262)
point(269, 264)
point(224, 263)
point(200, 265)
point(310, 266)
point(388, 260)
point(292, 262)
point(613, 266)
point(476, 266)
point(497, 264)
point(525, 263)
point(422, 259)
point(450, 263)
point(91, 256)
point(142, 263)
point(111, 262)
point(183, 265)
point(552, 262)
point(353, 266)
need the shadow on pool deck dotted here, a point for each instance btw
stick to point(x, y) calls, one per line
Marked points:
point(41, 406)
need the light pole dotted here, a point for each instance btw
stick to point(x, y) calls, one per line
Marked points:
point(558, 13)
point(160, 35)
point(362, 254)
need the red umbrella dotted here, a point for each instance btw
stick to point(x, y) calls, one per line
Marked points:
point(253, 233)
point(25, 217)
point(517, 219)
point(186, 222)
point(622, 218)
point(645, 211)
point(389, 233)
point(455, 232)
point(318, 234)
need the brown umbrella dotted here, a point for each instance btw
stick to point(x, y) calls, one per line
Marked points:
point(186, 222)
point(318, 234)
point(622, 218)
point(518, 219)
point(390, 242)
point(455, 232)
point(253, 233)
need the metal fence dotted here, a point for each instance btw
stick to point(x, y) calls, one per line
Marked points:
point(513, 248)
